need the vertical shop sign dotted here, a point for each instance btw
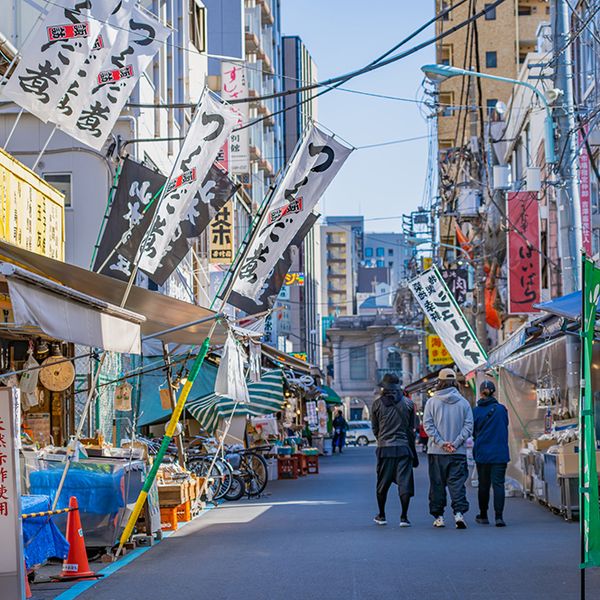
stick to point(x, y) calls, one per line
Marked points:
point(11, 557)
point(221, 236)
point(585, 196)
point(524, 260)
point(234, 85)
point(437, 353)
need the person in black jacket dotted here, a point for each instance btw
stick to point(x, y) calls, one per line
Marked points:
point(340, 426)
point(393, 420)
point(490, 451)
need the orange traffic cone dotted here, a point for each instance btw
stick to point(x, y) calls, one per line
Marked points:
point(76, 565)
point(27, 588)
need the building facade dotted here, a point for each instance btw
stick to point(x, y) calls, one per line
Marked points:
point(389, 250)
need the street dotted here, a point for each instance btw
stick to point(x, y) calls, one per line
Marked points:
point(314, 538)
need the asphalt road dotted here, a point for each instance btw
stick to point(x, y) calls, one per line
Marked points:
point(314, 538)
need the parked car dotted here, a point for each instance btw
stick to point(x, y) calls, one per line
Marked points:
point(360, 433)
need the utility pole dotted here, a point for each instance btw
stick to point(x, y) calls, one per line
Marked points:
point(569, 207)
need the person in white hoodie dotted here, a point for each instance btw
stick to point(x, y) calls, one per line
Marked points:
point(448, 421)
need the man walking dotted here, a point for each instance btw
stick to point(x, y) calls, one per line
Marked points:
point(393, 421)
point(448, 421)
point(490, 433)
point(340, 426)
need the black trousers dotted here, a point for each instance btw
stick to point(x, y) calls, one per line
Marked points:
point(491, 475)
point(398, 470)
point(447, 471)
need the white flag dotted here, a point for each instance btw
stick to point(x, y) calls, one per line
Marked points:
point(230, 381)
point(212, 124)
point(314, 166)
point(113, 81)
point(57, 49)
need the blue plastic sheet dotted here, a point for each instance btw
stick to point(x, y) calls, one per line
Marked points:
point(41, 538)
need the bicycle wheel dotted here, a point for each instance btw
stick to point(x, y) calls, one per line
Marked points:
point(256, 473)
point(226, 480)
point(236, 489)
point(201, 466)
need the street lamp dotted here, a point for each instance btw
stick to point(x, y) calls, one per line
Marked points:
point(439, 73)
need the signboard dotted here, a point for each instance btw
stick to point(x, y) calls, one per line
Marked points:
point(299, 355)
point(12, 577)
point(524, 260)
point(458, 282)
point(234, 85)
point(294, 279)
point(31, 211)
point(437, 354)
point(427, 262)
point(221, 236)
point(448, 320)
point(585, 197)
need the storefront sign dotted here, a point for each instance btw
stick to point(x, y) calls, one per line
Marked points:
point(11, 557)
point(234, 85)
point(458, 282)
point(524, 260)
point(585, 197)
point(294, 279)
point(299, 355)
point(446, 317)
point(31, 211)
point(221, 236)
point(437, 354)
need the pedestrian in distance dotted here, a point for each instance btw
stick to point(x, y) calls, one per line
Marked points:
point(448, 421)
point(393, 421)
point(491, 454)
point(340, 427)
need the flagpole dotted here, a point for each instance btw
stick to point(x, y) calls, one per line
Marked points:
point(582, 449)
point(14, 127)
point(37, 160)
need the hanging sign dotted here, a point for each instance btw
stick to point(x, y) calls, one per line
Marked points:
point(294, 279)
point(234, 85)
point(585, 196)
point(448, 320)
point(221, 236)
point(437, 354)
point(524, 260)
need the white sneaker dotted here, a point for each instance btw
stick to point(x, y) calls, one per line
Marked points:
point(460, 521)
point(439, 522)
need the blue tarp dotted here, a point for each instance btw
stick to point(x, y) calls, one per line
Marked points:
point(41, 537)
point(150, 409)
point(568, 306)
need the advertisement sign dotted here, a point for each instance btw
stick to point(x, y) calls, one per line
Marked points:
point(585, 197)
point(524, 260)
point(448, 320)
point(31, 211)
point(221, 236)
point(299, 355)
point(234, 85)
point(437, 354)
point(458, 282)
point(294, 279)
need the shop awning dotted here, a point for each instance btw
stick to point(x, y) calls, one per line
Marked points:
point(266, 397)
point(43, 306)
point(331, 396)
point(568, 306)
point(290, 361)
point(150, 408)
point(161, 312)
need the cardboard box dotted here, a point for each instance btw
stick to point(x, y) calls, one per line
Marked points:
point(567, 462)
point(541, 445)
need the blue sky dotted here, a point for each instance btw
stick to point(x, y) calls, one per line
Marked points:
point(343, 35)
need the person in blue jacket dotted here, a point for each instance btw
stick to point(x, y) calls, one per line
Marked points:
point(490, 451)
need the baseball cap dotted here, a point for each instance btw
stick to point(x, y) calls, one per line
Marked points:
point(447, 375)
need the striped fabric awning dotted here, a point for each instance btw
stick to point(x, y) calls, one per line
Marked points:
point(266, 397)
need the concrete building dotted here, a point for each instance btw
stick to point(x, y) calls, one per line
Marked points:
point(389, 250)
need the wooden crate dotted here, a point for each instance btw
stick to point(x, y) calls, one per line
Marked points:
point(172, 494)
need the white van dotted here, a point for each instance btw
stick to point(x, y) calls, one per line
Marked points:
point(360, 433)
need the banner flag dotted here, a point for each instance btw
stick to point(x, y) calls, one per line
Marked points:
point(313, 167)
point(56, 50)
point(524, 261)
point(112, 80)
point(276, 279)
point(130, 217)
point(234, 85)
point(211, 126)
point(448, 320)
point(588, 469)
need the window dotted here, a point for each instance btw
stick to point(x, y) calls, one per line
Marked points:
point(524, 10)
point(62, 182)
point(491, 60)
point(444, 5)
point(490, 12)
point(358, 363)
point(198, 26)
point(390, 252)
point(446, 55)
point(380, 251)
point(368, 252)
point(446, 101)
point(490, 104)
point(381, 263)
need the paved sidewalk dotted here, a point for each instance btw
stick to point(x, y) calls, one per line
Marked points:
point(314, 538)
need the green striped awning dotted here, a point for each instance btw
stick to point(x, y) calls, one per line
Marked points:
point(266, 397)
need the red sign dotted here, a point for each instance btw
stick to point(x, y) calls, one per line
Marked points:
point(115, 74)
point(585, 198)
point(67, 32)
point(524, 260)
